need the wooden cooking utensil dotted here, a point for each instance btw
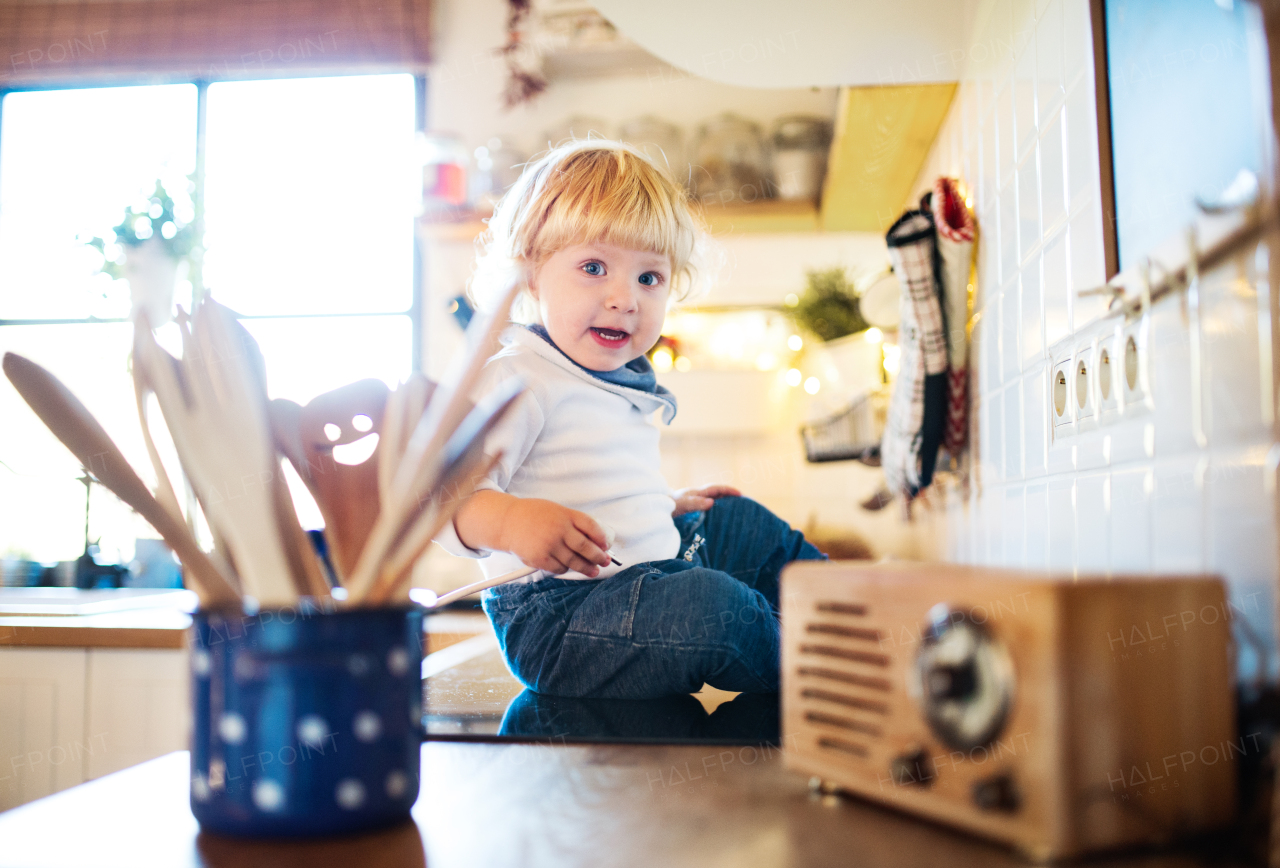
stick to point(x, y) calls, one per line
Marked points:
point(215, 406)
point(465, 464)
point(346, 494)
point(164, 488)
point(420, 468)
point(304, 563)
point(398, 569)
point(404, 408)
point(283, 417)
point(73, 424)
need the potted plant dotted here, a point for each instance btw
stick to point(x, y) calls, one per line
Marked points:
point(848, 357)
point(829, 308)
point(146, 249)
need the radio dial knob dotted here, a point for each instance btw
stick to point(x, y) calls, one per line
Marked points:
point(996, 793)
point(912, 768)
point(952, 682)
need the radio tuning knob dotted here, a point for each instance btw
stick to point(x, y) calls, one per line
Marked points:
point(912, 768)
point(997, 793)
point(952, 682)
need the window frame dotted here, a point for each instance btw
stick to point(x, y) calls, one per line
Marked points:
point(415, 311)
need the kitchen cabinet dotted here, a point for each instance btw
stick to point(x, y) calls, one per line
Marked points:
point(136, 702)
point(69, 715)
point(91, 682)
point(42, 722)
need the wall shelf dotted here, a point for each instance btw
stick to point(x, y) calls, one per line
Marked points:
point(882, 137)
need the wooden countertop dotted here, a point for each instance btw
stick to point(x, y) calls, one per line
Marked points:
point(528, 805)
point(70, 618)
point(140, 618)
point(140, 629)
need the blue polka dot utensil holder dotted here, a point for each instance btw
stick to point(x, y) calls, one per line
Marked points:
point(305, 722)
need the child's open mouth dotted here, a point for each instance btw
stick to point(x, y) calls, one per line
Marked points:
point(609, 337)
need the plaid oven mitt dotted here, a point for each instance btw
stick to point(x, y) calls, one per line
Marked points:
point(918, 406)
point(956, 231)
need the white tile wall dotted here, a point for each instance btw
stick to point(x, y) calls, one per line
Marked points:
point(1171, 480)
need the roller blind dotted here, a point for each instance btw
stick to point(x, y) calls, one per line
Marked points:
point(46, 42)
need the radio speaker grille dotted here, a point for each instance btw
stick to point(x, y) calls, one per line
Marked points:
point(843, 690)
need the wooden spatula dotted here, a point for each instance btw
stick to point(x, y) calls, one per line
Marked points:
point(215, 407)
point(73, 424)
point(419, 470)
point(465, 464)
point(346, 494)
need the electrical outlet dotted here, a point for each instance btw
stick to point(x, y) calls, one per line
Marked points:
point(1060, 412)
point(1082, 378)
point(1132, 374)
point(1106, 369)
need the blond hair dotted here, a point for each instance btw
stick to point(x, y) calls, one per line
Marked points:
point(584, 192)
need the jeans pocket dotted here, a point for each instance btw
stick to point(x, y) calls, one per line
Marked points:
point(609, 610)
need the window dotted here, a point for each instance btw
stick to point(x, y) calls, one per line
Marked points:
point(309, 191)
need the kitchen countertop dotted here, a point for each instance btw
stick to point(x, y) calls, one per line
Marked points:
point(529, 805)
point(72, 618)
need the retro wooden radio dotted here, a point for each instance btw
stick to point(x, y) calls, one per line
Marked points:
point(1056, 715)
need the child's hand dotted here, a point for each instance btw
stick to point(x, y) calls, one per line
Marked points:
point(554, 538)
point(696, 499)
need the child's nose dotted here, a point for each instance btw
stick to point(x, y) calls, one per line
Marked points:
point(622, 296)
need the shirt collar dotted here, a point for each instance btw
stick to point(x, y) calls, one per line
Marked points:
point(636, 375)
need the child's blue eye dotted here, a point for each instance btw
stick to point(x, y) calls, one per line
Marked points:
point(650, 278)
point(594, 268)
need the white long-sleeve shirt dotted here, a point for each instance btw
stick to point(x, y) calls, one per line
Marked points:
point(583, 443)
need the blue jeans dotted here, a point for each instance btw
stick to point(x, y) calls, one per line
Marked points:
point(663, 627)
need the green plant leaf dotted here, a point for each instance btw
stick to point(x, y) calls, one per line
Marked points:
point(829, 307)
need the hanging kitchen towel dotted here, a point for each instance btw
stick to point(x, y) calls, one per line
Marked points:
point(956, 231)
point(917, 409)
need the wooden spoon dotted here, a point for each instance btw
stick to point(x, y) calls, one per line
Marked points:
point(346, 494)
point(215, 406)
point(465, 465)
point(404, 408)
point(419, 470)
point(73, 424)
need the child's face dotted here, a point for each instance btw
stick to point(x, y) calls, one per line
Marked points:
point(603, 305)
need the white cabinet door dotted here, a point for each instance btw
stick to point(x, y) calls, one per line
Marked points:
point(43, 744)
point(138, 701)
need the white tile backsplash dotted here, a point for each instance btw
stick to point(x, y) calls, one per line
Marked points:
point(1024, 102)
point(1014, 523)
point(1081, 125)
point(1178, 515)
point(1035, 422)
point(1130, 537)
point(1049, 80)
point(1010, 333)
point(1077, 45)
point(1131, 489)
point(1036, 543)
point(1007, 208)
point(1057, 302)
point(1028, 206)
point(1053, 201)
point(1031, 338)
point(1093, 523)
point(1062, 524)
point(1013, 441)
point(1234, 346)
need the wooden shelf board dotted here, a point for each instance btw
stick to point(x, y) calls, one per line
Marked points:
point(882, 138)
point(766, 215)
